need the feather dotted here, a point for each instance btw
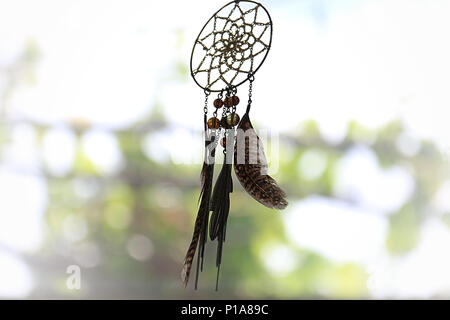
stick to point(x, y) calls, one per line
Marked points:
point(201, 222)
point(220, 204)
point(220, 201)
point(250, 166)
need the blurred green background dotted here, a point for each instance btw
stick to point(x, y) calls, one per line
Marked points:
point(100, 144)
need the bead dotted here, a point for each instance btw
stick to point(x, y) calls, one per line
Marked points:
point(213, 123)
point(235, 100)
point(223, 142)
point(228, 102)
point(224, 124)
point(218, 103)
point(233, 119)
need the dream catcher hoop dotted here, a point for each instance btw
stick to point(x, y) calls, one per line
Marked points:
point(229, 50)
point(232, 46)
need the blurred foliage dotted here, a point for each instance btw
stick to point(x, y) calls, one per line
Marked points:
point(147, 199)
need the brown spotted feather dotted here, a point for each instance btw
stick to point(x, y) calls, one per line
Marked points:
point(252, 174)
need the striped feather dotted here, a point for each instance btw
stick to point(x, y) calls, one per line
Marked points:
point(199, 236)
point(250, 166)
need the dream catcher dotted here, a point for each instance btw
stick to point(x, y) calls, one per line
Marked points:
point(228, 52)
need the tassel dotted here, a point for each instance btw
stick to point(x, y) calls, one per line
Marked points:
point(201, 223)
point(220, 203)
point(250, 166)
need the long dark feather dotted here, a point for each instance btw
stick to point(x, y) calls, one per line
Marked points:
point(201, 222)
point(250, 166)
point(220, 205)
point(220, 201)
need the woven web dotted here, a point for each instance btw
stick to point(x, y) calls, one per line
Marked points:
point(233, 44)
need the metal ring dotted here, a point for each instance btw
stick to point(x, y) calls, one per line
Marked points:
point(270, 23)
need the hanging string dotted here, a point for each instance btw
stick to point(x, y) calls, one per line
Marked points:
point(205, 109)
point(251, 78)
